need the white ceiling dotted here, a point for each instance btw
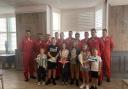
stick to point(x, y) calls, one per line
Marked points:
point(7, 6)
point(58, 3)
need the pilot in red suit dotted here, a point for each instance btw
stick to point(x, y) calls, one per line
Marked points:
point(106, 56)
point(57, 38)
point(39, 43)
point(78, 42)
point(27, 48)
point(48, 41)
point(69, 40)
point(84, 41)
point(61, 40)
point(96, 42)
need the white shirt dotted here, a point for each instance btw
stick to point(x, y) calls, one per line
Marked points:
point(95, 63)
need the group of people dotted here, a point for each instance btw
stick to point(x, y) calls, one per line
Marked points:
point(69, 59)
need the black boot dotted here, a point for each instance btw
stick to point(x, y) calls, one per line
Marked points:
point(92, 87)
point(48, 81)
point(95, 87)
point(77, 82)
point(32, 77)
point(72, 81)
point(54, 82)
point(108, 80)
point(27, 80)
point(99, 83)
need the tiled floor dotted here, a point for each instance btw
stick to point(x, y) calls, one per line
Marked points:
point(14, 80)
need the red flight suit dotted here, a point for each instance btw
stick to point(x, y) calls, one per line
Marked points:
point(38, 45)
point(84, 42)
point(28, 59)
point(69, 42)
point(106, 56)
point(60, 42)
point(79, 44)
point(47, 43)
point(95, 42)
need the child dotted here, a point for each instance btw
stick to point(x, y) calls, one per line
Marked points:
point(95, 62)
point(64, 53)
point(53, 52)
point(74, 64)
point(42, 65)
point(84, 56)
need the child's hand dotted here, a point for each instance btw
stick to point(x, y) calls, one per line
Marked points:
point(82, 65)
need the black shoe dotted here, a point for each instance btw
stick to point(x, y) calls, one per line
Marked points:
point(54, 82)
point(92, 87)
point(32, 77)
point(72, 82)
point(99, 83)
point(108, 80)
point(26, 80)
point(95, 88)
point(77, 83)
point(48, 82)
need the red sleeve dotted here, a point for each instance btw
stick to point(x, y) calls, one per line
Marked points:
point(101, 46)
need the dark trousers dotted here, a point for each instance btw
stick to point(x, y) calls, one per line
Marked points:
point(41, 73)
point(65, 72)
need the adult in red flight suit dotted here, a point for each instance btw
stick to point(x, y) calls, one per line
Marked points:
point(69, 40)
point(28, 60)
point(96, 42)
point(106, 57)
point(84, 41)
point(48, 41)
point(77, 40)
point(39, 43)
point(57, 38)
point(61, 40)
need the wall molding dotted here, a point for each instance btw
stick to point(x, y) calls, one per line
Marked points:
point(31, 9)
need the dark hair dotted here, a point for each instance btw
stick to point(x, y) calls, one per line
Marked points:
point(53, 38)
point(56, 32)
point(94, 49)
point(77, 34)
point(104, 29)
point(93, 29)
point(39, 34)
point(27, 30)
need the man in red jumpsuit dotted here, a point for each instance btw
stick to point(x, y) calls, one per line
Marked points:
point(106, 56)
point(78, 42)
point(28, 59)
point(57, 38)
point(61, 40)
point(96, 42)
point(84, 41)
point(39, 43)
point(69, 40)
point(48, 41)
